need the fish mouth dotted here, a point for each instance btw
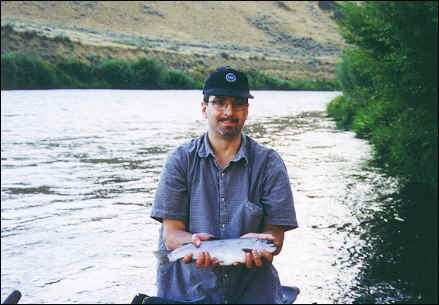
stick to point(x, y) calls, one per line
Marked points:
point(271, 245)
point(265, 245)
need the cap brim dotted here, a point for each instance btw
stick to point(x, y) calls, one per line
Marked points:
point(228, 92)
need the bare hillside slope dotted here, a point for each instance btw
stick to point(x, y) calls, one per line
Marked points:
point(289, 39)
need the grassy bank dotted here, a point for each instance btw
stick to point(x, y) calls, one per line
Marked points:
point(19, 71)
point(389, 85)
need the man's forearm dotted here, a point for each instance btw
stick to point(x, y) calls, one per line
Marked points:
point(174, 234)
point(176, 239)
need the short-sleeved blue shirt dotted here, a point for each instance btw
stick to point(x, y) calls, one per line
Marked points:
point(251, 191)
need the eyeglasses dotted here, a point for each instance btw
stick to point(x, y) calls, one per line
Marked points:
point(219, 103)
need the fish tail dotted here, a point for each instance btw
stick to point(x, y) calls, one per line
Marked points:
point(162, 256)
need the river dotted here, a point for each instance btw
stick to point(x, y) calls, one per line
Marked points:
point(79, 169)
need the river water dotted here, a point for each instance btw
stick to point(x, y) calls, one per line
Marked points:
point(79, 169)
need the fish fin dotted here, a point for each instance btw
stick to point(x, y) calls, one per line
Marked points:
point(162, 256)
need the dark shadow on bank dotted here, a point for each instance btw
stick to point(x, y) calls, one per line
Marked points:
point(399, 256)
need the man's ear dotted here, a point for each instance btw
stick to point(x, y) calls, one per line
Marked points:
point(246, 111)
point(204, 109)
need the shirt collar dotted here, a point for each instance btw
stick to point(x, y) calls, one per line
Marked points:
point(206, 150)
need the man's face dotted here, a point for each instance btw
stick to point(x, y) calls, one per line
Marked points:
point(225, 115)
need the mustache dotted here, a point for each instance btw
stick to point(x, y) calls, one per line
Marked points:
point(233, 120)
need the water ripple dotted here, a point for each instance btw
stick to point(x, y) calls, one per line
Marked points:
point(80, 168)
point(44, 189)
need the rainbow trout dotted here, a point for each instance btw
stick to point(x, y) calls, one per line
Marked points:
point(226, 251)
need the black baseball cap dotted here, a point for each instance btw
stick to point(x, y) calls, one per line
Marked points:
point(226, 81)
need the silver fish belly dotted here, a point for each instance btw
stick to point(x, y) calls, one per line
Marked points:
point(226, 251)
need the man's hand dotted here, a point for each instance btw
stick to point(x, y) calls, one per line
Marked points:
point(175, 235)
point(198, 237)
point(273, 233)
point(254, 256)
point(204, 259)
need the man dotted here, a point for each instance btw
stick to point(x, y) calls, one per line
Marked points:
point(224, 185)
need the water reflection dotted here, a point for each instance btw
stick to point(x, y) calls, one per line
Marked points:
point(76, 191)
point(397, 225)
point(297, 124)
point(44, 189)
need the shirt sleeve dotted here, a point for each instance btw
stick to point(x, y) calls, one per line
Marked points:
point(171, 197)
point(277, 197)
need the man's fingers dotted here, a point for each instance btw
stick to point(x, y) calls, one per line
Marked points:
point(206, 259)
point(200, 260)
point(204, 236)
point(203, 260)
point(214, 263)
point(248, 260)
point(196, 240)
point(267, 255)
point(188, 258)
point(198, 237)
point(257, 258)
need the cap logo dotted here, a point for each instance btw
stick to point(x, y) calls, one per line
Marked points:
point(230, 77)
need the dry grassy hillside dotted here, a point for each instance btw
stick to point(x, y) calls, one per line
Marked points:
point(289, 39)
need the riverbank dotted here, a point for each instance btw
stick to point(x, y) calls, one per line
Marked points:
point(20, 71)
point(390, 99)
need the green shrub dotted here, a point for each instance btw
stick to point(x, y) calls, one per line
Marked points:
point(353, 72)
point(261, 81)
point(149, 73)
point(19, 71)
point(179, 80)
point(374, 114)
point(144, 73)
point(81, 71)
point(117, 73)
point(318, 84)
point(64, 80)
point(391, 78)
point(342, 110)
point(323, 84)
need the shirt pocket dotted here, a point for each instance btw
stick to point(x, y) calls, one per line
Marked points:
point(247, 218)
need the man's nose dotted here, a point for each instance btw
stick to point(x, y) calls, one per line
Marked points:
point(228, 108)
